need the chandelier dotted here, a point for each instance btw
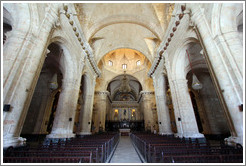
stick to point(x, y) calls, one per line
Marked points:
point(125, 87)
point(196, 85)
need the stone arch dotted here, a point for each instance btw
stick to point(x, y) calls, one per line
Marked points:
point(69, 67)
point(132, 80)
point(147, 55)
point(24, 27)
point(117, 47)
point(103, 84)
point(122, 19)
point(220, 15)
point(182, 70)
point(180, 65)
point(225, 22)
point(27, 22)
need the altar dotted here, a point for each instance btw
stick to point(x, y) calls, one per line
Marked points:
point(124, 132)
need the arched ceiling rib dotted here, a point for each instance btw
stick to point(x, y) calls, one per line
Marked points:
point(108, 26)
point(115, 84)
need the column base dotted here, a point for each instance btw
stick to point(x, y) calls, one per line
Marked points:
point(84, 133)
point(13, 141)
point(189, 135)
point(233, 141)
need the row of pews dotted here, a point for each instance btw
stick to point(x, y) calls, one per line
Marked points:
point(88, 149)
point(169, 149)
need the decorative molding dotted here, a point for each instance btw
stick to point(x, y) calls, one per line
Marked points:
point(145, 93)
point(102, 93)
point(125, 104)
point(81, 39)
point(166, 41)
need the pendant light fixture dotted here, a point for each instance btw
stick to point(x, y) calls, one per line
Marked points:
point(196, 84)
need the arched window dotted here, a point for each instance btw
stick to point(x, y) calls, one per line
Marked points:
point(124, 66)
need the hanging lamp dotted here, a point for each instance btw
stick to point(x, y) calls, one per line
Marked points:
point(196, 84)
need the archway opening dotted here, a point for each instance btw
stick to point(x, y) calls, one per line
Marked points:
point(41, 112)
point(125, 111)
point(119, 92)
point(209, 114)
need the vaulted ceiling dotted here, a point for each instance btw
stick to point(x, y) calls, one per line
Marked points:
point(110, 26)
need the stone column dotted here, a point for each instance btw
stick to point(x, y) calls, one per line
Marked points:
point(11, 56)
point(101, 106)
point(162, 109)
point(231, 97)
point(184, 113)
point(21, 81)
point(147, 98)
point(86, 112)
point(85, 116)
point(65, 113)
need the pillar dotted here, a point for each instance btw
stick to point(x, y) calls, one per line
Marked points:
point(87, 110)
point(101, 106)
point(20, 81)
point(65, 113)
point(162, 108)
point(184, 113)
point(231, 97)
point(147, 101)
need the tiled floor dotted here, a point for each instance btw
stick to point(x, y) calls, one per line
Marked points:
point(125, 152)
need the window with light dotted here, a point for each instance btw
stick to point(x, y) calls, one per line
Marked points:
point(124, 66)
point(138, 63)
point(110, 63)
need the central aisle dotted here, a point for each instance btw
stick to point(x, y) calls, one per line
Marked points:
point(125, 152)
